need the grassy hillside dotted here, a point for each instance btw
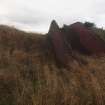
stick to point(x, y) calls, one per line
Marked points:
point(29, 74)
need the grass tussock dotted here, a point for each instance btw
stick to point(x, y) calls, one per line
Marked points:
point(30, 76)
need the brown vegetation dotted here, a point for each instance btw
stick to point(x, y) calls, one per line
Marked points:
point(29, 74)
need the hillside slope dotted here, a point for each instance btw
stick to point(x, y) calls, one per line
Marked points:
point(30, 75)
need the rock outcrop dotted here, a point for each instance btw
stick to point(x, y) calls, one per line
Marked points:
point(57, 41)
point(74, 37)
point(91, 42)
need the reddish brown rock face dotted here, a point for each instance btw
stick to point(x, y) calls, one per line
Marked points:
point(57, 42)
point(78, 37)
point(89, 39)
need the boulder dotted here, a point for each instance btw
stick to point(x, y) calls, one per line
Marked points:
point(88, 39)
point(76, 37)
point(57, 43)
point(53, 27)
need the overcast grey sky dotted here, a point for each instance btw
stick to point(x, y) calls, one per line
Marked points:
point(36, 15)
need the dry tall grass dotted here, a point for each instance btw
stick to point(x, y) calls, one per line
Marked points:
point(30, 76)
